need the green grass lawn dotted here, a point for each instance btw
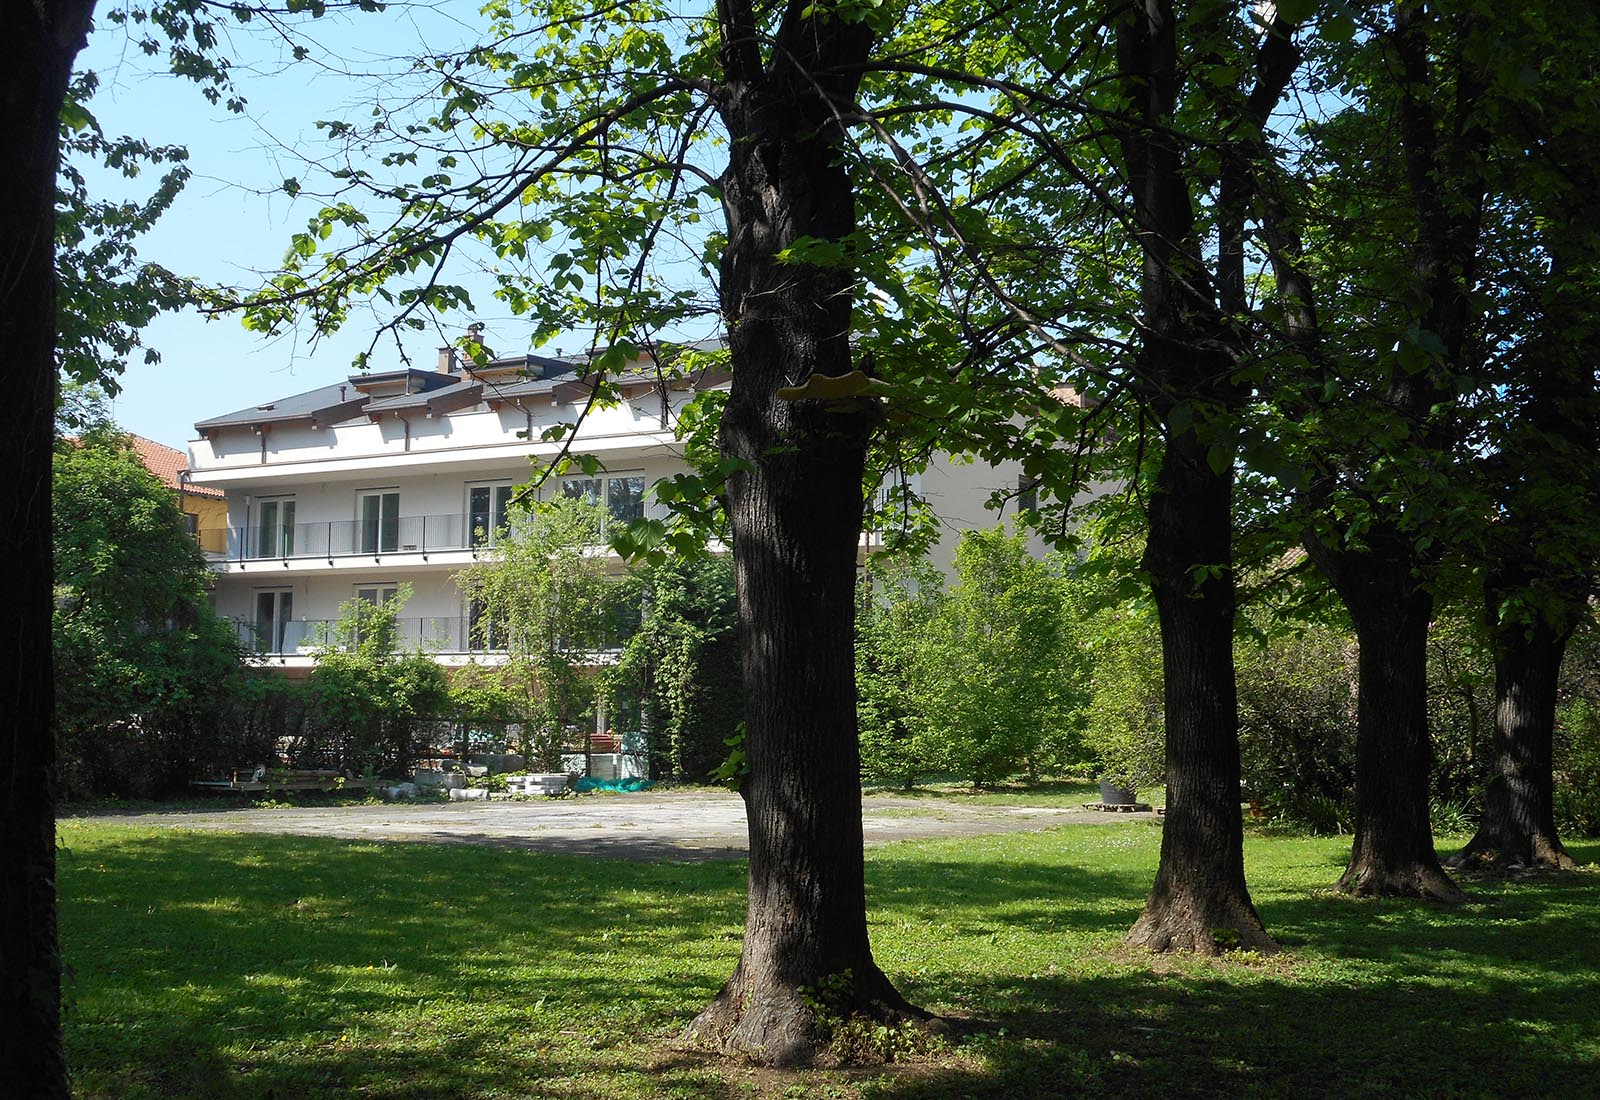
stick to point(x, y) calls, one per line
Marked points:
point(1067, 794)
point(219, 966)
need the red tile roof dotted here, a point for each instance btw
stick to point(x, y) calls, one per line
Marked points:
point(166, 464)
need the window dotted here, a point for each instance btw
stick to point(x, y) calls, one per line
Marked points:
point(377, 592)
point(623, 496)
point(378, 521)
point(1027, 494)
point(484, 634)
point(487, 509)
point(582, 488)
point(373, 594)
point(274, 609)
point(897, 493)
point(275, 528)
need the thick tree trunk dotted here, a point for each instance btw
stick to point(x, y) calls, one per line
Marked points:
point(1393, 852)
point(1518, 829)
point(44, 39)
point(795, 507)
point(1200, 901)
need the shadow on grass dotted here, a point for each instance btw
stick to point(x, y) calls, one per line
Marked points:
point(228, 966)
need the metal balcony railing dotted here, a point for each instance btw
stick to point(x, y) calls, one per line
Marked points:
point(429, 633)
point(348, 538)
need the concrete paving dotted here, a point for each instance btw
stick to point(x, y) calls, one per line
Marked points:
point(652, 825)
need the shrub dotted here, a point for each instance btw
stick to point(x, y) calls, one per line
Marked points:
point(1577, 768)
point(1124, 722)
point(896, 601)
point(145, 674)
point(1297, 725)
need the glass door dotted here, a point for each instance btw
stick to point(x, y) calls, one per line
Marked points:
point(378, 521)
point(275, 529)
point(487, 509)
point(274, 609)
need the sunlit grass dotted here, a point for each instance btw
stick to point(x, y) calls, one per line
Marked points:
point(208, 965)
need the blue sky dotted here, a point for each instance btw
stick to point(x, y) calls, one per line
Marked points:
point(229, 223)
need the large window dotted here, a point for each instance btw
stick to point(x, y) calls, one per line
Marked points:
point(274, 609)
point(378, 521)
point(377, 592)
point(487, 513)
point(484, 633)
point(275, 528)
point(623, 495)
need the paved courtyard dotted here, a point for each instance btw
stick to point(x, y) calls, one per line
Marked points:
point(691, 825)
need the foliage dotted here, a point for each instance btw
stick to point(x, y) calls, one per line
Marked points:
point(108, 295)
point(1460, 703)
point(1577, 788)
point(144, 671)
point(357, 967)
point(682, 665)
point(1577, 738)
point(1297, 683)
point(983, 680)
point(487, 693)
point(897, 600)
point(546, 597)
point(1124, 726)
point(993, 682)
point(369, 695)
point(1297, 724)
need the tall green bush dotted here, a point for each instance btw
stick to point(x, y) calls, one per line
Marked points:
point(1297, 724)
point(682, 665)
point(1123, 719)
point(146, 676)
point(896, 602)
point(546, 596)
point(992, 679)
point(372, 697)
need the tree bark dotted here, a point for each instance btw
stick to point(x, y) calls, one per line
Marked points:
point(795, 505)
point(1200, 901)
point(45, 37)
point(1188, 348)
point(1393, 853)
point(1518, 828)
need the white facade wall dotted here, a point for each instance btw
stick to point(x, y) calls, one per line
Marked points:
point(430, 461)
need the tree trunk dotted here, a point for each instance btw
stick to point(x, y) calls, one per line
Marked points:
point(1518, 829)
point(1393, 853)
point(795, 505)
point(1200, 901)
point(1185, 361)
point(45, 37)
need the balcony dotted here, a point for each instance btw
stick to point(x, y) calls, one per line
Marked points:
point(448, 638)
point(328, 541)
point(443, 634)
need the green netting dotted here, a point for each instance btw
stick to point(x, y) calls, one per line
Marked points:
point(589, 783)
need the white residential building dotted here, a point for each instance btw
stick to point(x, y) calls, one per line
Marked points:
point(350, 490)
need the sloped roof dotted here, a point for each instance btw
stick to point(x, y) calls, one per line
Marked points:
point(328, 404)
point(566, 378)
point(167, 463)
point(299, 407)
point(464, 393)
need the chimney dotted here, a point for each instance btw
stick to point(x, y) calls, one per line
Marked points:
point(447, 360)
